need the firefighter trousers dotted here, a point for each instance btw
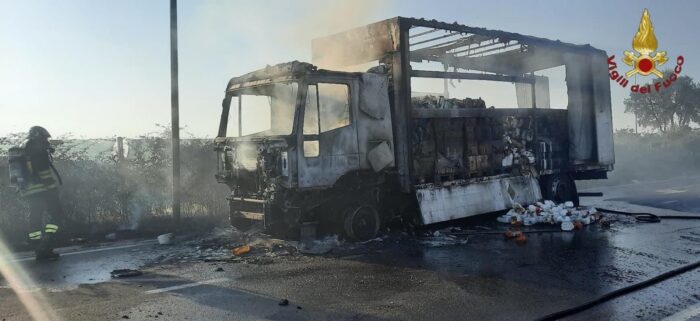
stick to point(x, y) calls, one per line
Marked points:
point(45, 218)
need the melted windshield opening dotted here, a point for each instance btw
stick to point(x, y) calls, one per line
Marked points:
point(262, 111)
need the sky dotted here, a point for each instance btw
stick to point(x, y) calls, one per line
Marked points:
point(99, 69)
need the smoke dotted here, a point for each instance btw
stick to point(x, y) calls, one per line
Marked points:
point(276, 31)
point(224, 39)
point(652, 156)
point(247, 155)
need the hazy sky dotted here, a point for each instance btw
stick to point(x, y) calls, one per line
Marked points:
point(98, 68)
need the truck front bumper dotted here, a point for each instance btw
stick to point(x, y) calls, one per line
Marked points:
point(246, 208)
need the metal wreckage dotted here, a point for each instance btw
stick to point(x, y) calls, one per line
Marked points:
point(345, 149)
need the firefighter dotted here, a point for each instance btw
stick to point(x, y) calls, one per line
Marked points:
point(41, 192)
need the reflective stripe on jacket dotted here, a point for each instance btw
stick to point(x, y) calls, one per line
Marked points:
point(41, 177)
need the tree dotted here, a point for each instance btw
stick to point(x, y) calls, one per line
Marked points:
point(668, 109)
point(687, 98)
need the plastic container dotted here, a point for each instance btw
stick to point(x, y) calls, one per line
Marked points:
point(586, 220)
point(165, 239)
point(504, 219)
point(567, 226)
point(529, 220)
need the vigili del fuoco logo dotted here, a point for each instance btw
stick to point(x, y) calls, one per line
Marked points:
point(645, 60)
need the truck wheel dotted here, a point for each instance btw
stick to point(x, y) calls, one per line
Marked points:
point(362, 222)
point(559, 188)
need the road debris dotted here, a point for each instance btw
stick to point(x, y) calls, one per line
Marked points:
point(321, 246)
point(444, 237)
point(165, 239)
point(260, 260)
point(238, 251)
point(510, 234)
point(125, 273)
point(219, 246)
point(284, 303)
point(567, 225)
point(547, 212)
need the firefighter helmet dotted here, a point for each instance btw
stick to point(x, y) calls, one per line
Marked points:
point(38, 132)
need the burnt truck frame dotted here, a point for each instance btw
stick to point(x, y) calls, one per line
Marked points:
point(385, 157)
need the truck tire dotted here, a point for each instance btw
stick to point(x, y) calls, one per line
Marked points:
point(361, 222)
point(559, 188)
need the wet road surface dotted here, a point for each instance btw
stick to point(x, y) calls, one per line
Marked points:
point(84, 265)
point(440, 277)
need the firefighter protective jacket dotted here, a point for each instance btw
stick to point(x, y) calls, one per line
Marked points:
point(41, 177)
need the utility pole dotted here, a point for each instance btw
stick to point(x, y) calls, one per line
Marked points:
point(121, 169)
point(175, 111)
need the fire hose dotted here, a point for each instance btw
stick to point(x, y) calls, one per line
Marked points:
point(641, 217)
point(648, 217)
point(620, 292)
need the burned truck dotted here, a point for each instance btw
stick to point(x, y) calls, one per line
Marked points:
point(347, 144)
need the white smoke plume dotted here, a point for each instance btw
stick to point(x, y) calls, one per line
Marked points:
point(280, 31)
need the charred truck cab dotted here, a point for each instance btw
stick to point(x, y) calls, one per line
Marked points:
point(347, 149)
point(328, 135)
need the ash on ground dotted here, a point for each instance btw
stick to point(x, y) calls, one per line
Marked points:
point(219, 246)
point(256, 247)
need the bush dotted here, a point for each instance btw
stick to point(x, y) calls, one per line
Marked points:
point(100, 195)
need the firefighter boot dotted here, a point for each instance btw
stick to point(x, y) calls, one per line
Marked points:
point(45, 254)
point(44, 251)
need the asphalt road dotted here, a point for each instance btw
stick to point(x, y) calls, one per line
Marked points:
point(396, 278)
point(679, 194)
